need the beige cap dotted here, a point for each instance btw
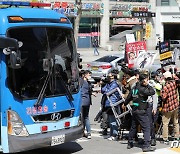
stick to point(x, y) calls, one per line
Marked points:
point(167, 74)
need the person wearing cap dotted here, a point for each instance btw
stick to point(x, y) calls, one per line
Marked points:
point(109, 86)
point(170, 106)
point(139, 95)
point(133, 76)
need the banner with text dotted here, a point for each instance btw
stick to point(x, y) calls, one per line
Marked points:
point(133, 50)
point(165, 53)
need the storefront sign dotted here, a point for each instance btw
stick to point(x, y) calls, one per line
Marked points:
point(71, 8)
point(89, 6)
point(139, 14)
point(126, 21)
point(143, 14)
point(137, 8)
point(91, 13)
point(120, 7)
point(120, 13)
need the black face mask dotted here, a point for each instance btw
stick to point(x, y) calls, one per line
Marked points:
point(108, 79)
point(142, 83)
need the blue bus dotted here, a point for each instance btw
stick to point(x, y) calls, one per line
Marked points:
point(40, 102)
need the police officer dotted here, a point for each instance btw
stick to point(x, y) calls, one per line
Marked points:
point(139, 94)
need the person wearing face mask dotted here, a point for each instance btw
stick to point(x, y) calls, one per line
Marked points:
point(139, 95)
point(86, 92)
point(110, 85)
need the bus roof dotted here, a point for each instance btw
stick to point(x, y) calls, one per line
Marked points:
point(31, 16)
point(30, 13)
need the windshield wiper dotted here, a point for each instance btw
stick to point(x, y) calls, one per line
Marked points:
point(42, 92)
point(69, 95)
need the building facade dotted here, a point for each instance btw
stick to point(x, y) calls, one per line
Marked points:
point(168, 21)
point(102, 19)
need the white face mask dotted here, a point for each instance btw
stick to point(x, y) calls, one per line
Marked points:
point(88, 77)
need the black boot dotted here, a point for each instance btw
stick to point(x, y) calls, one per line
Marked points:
point(104, 131)
point(136, 138)
point(153, 142)
point(130, 145)
point(148, 149)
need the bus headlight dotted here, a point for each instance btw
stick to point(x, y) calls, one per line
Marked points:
point(15, 125)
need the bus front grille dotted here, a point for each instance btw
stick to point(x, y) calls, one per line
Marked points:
point(56, 116)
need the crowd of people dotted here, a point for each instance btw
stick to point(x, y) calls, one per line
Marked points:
point(153, 97)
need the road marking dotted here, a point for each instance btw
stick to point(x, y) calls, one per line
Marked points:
point(81, 140)
point(163, 151)
point(175, 149)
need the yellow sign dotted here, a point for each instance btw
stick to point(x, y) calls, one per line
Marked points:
point(165, 55)
point(148, 30)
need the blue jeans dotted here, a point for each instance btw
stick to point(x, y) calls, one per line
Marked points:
point(96, 52)
point(152, 120)
point(85, 113)
point(113, 125)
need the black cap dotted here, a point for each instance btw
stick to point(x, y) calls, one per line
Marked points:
point(114, 72)
point(154, 74)
point(133, 72)
point(87, 72)
point(142, 76)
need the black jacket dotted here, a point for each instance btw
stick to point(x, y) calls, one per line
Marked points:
point(139, 94)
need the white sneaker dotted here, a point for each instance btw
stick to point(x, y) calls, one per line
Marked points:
point(89, 136)
point(112, 138)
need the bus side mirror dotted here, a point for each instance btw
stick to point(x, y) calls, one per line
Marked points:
point(11, 47)
point(6, 42)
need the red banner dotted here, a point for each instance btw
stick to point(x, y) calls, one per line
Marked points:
point(132, 51)
point(57, 4)
point(64, 5)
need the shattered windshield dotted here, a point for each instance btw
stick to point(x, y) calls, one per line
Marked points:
point(45, 52)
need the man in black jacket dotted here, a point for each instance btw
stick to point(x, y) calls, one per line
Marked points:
point(139, 95)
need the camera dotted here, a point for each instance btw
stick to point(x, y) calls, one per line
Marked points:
point(105, 79)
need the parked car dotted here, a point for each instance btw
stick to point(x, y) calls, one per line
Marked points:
point(102, 66)
point(174, 44)
point(156, 67)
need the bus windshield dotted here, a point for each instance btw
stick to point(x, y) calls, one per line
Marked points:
point(48, 56)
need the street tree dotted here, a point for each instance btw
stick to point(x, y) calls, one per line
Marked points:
point(77, 19)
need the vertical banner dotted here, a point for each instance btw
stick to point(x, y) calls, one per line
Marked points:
point(133, 50)
point(148, 30)
point(165, 53)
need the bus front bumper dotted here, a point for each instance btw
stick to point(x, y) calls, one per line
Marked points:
point(18, 144)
